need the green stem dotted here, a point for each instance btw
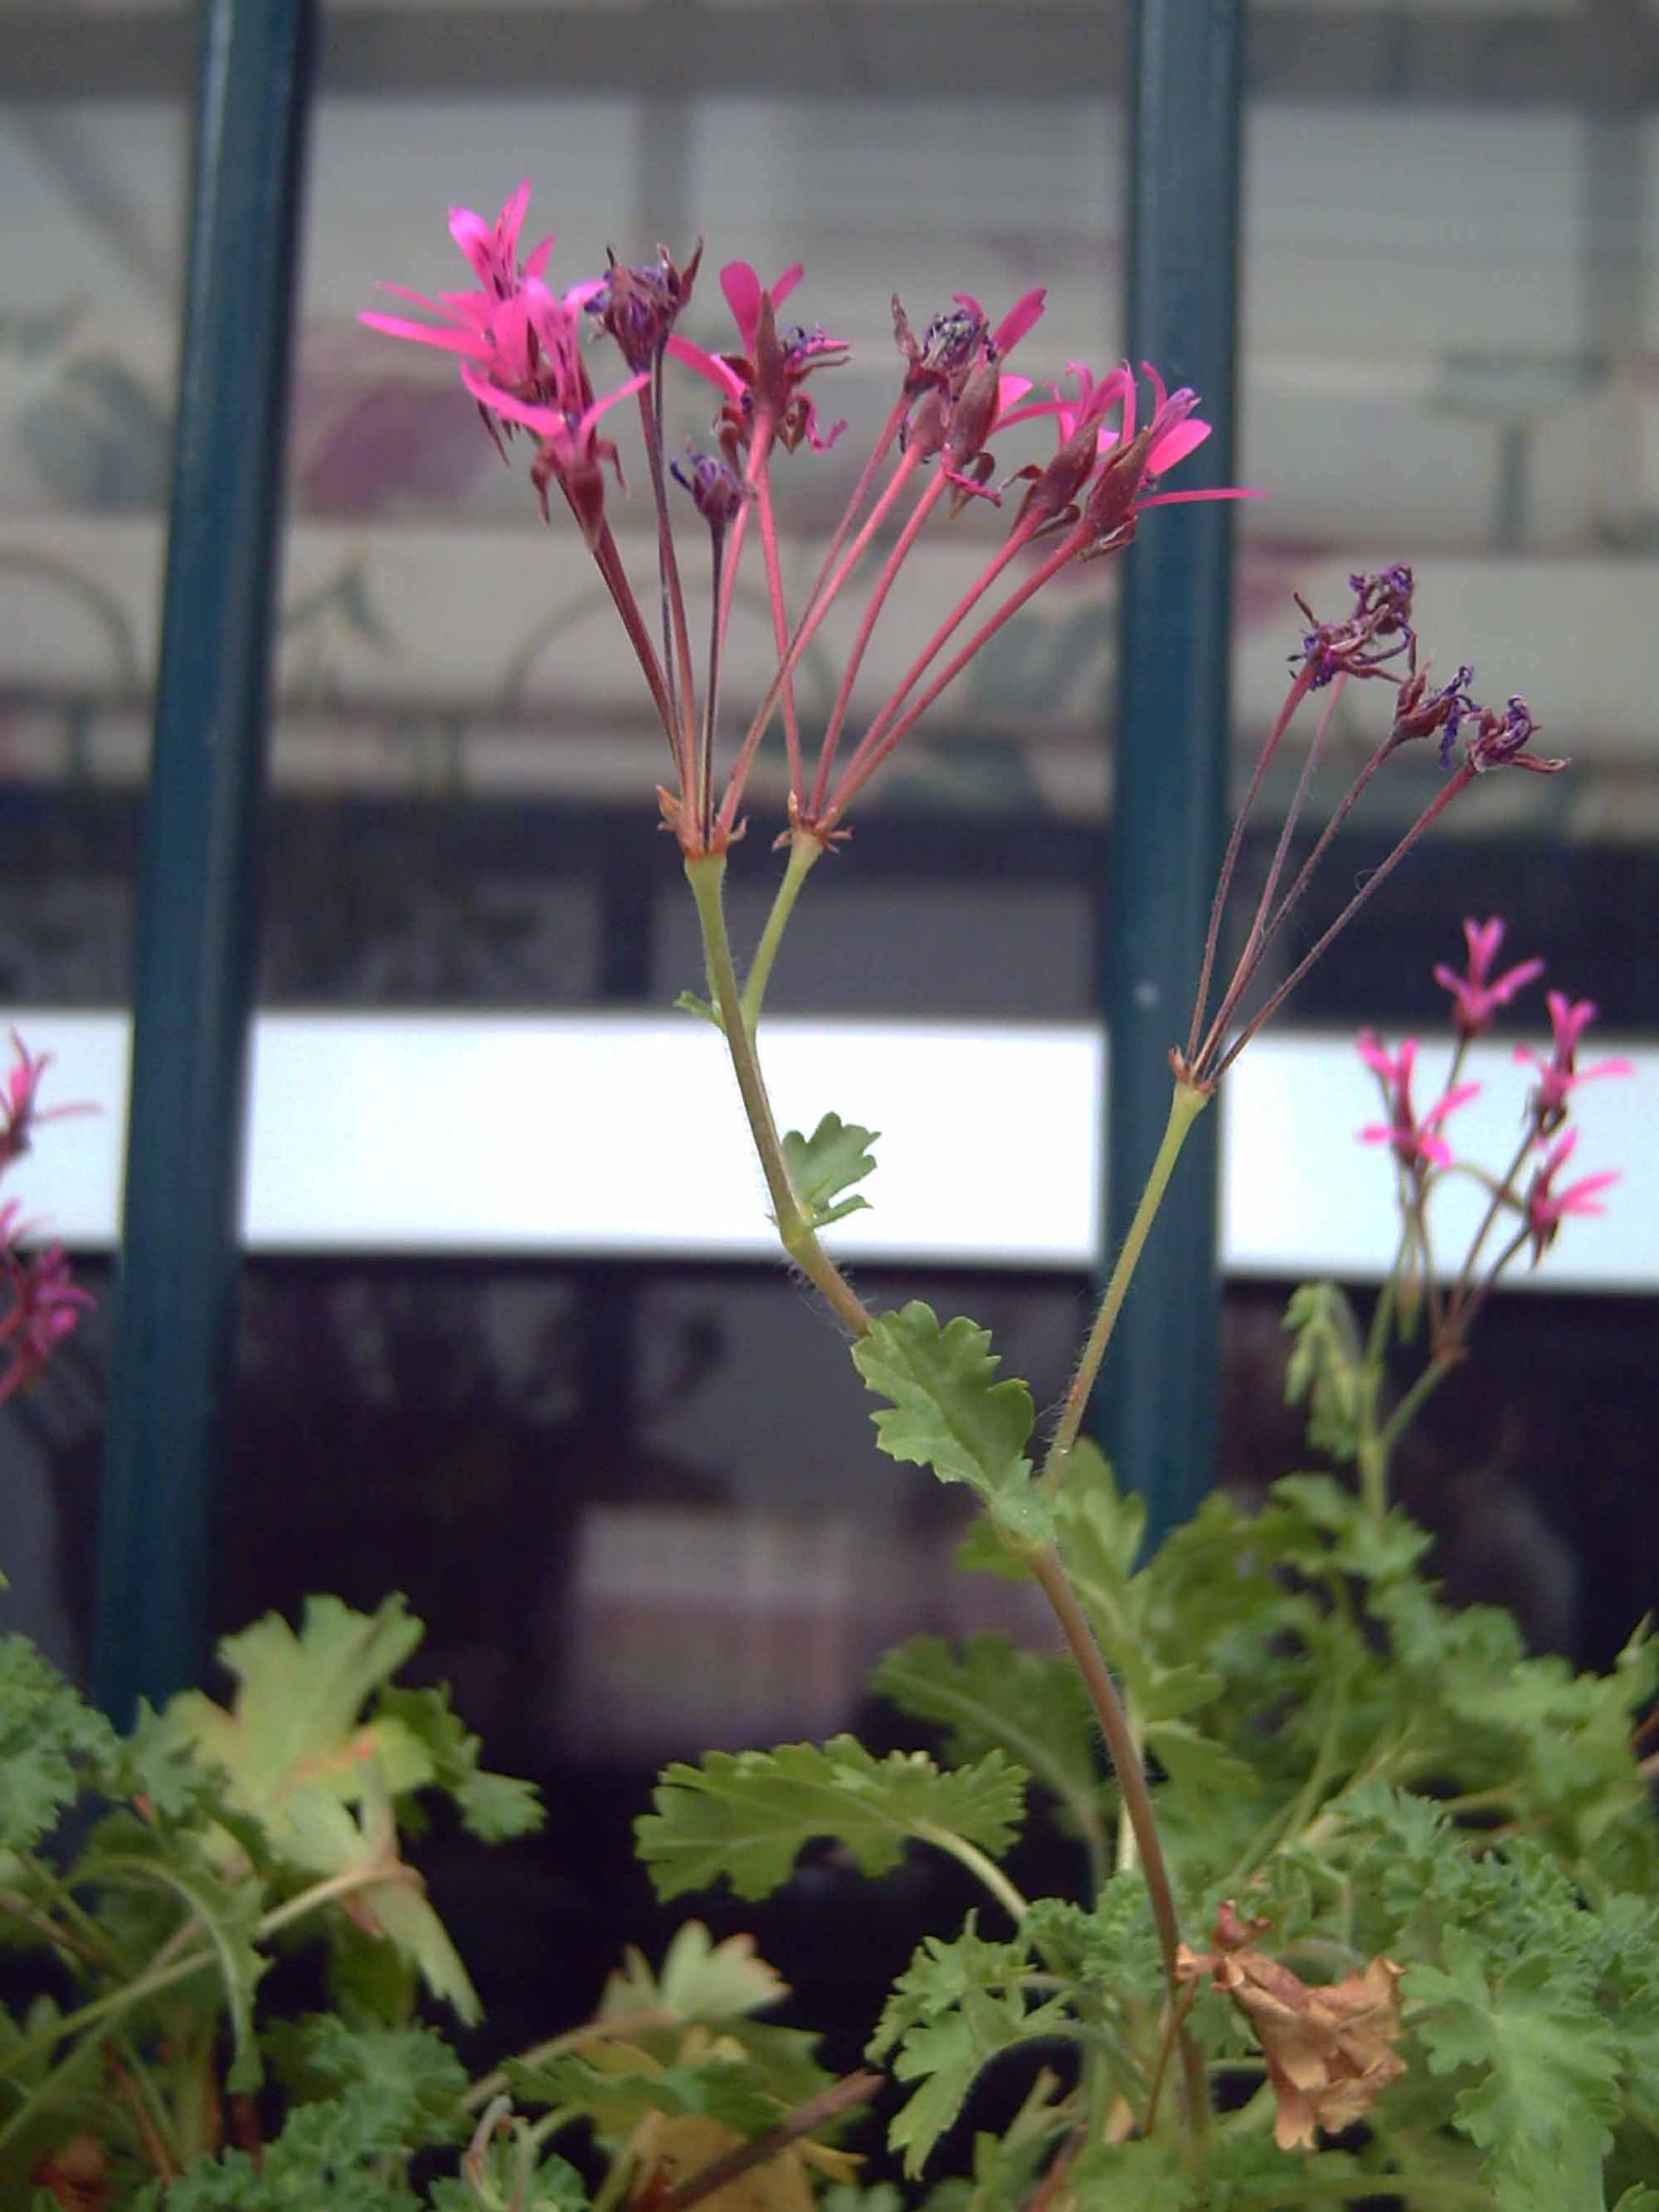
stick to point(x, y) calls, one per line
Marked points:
point(1410, 1405)
point(1186, 1105)
point(1376, 1444)
point(803, 850)
point(1051, 1578)
point(705, 872)
point(165, 1972)
point(986, 1869)
point(150, 2098)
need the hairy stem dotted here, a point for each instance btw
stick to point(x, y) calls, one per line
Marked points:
point(705, 873)
point(1137, 1801)
point(986, 1870)
point(1185, 1107)
point(804, 850)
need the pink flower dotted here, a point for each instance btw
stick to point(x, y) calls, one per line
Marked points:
point(45, 1306)
point(572, 453)
point(1477, 994)
point(1414, 1142)
point(1546, 1208)
point(1131, 462)
point(956, 350)
point(19, 1106)
point(767, 376)
point(491, 327)
point(1560, 1075)
point(493, 248)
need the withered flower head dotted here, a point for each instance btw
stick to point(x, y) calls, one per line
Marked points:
point(1329, 2049)
point(639, 305)
point(1382, 609)
point(1499, 741)
point(716, 489)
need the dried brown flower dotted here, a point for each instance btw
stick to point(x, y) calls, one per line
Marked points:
point(1329, 2048)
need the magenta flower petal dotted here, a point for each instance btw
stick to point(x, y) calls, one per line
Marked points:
point(548, 422)
point(476, 348)
point(1175, 444)
point(742, 287)
point(1187, 498)
point(1026, 312)
point(706, 364)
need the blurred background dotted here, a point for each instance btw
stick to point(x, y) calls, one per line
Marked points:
point(635, 1494)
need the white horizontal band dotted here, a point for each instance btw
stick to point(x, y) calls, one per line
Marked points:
point(621, 1135)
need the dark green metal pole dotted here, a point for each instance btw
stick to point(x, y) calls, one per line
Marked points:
point(1158, 1404)
point(199, 882)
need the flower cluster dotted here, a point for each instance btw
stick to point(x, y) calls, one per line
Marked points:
point(517, 343)
point(1528, 1196)
point(40, 1306)
point(957, 403)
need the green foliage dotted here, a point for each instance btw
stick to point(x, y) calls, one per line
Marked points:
point(619, 2086)
point(948, 1410)
point(699, 1979)
point(300, 1757)
point(956, 2007)
point(990, 1695)
point(1242, 2171)
point(223, 1912)
point(1090, 1978)
point(821, 1166)
point(506, 2173)
point(393, 2091)
point(495, 1808)
point(1326, 1368)
point(746, 1815)
point(200, 1842)
point(1545, 2090)
point(51, 1745)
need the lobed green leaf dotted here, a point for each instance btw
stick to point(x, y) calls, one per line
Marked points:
point(746, 1815)
point(830, 1161)
point(948, 1411)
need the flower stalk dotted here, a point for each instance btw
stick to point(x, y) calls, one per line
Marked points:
point(706, 874)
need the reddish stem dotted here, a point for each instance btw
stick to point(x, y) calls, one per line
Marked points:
point(1260, 928)
point(779, 618)
point(806, 630)
point(1437, 807)
point(1019, 537)
point(1293, 699)
point(878, 592)
point(609, 561)
point(870, 757)
point(677, 640)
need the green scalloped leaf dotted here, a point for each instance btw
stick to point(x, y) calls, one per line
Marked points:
point(955, 2007)
point(745, 1815)
point(52, 1745)
point(992, 1695)
point(699, 1979)
point(1545, 2067)
point(831, 1160)
point(493, 1807)
point(619, 2085)
point(948, 1410)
